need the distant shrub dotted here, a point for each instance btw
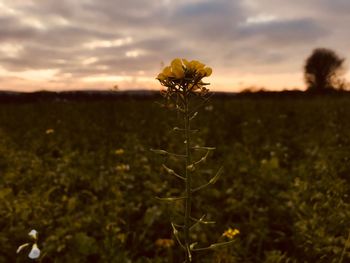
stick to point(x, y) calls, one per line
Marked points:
point(322, 70)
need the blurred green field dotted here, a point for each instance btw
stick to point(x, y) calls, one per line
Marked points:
point(285, 184)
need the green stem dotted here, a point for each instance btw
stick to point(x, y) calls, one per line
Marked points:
point(188, 180)
point(344, 249)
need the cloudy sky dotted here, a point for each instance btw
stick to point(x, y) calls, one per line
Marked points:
point(96, 44)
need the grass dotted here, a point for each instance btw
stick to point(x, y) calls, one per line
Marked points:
point(285, 183)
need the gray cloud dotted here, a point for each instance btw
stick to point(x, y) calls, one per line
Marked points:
point(54, 34)
point(12, 30)
point(284, 32)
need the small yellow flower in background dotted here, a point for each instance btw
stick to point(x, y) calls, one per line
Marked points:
point(122, 167)
point(119, 151)
point(231, 233)
point(164, 243)
point(49, 131)
point(209, 108)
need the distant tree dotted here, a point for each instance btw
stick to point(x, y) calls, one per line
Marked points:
point(323, 69)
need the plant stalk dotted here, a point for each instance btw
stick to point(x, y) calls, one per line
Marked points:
point(188, 179)
point(344, 249)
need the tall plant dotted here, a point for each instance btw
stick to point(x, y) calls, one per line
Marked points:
point(183, 81)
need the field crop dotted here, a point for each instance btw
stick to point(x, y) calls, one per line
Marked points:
point(82, 174)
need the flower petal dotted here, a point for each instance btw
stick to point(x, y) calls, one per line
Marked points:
point(33, 233)
point(161, 77)
point(197, 65)
point(167, 72)
point(19, 249)
point(176, 63)
point(208, 71)
point(185, 62)
point(35, 252)
point(178, 72)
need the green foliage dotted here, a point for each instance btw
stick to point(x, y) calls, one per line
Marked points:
point(285, 182)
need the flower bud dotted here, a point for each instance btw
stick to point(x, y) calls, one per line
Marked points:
point(191, 167)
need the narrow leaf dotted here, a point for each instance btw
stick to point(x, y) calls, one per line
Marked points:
point(203, 159)
point(216, 177)
point(180, 129)
point(201, 220)
point(19, 249)
point(172, 172)
point(204, 148)
point(171, 199)
point(176, 234)
point(211, 181)
point(193, 245)
point(160, 152)
point(194, 115)
point(189, 253)
point(216, 245)
point(197, 222)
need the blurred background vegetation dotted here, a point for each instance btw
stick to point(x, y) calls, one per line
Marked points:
point(82, 175)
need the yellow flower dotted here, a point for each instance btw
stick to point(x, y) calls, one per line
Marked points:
point(167, 72)
point(185, 62)
point(122, 167)
point(49, 131)
point(177, 68)
point(161, 77)
point(208, 71)
point(205, 72)
point(202, 72)
point(196, 65)
point(119, 151)
point(181, 68)
point(176, 63)
point(230, 233)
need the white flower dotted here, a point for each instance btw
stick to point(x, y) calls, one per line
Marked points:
point(35, 252)
point(33, 233)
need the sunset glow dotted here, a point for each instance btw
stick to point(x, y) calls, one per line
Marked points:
point(63, 45)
